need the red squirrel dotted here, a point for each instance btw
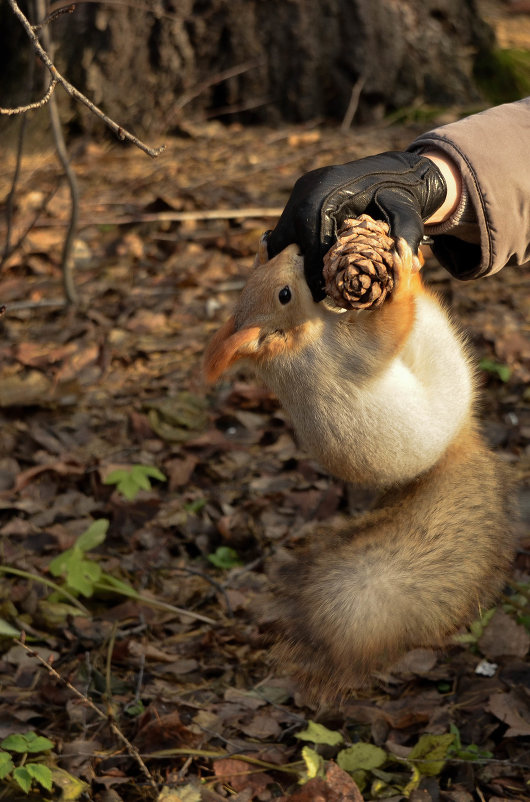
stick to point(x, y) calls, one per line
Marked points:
point(382, 398)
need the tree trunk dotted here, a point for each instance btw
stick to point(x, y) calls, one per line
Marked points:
point(151, 66)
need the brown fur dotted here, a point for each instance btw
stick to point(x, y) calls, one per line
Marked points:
point(383, 397)
point(425, 563)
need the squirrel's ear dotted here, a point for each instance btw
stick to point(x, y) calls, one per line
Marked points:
point(227, 346)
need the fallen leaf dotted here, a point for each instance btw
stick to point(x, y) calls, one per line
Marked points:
point(504, 636)
point(513, 711)
point(261, 727)
point(241, 775)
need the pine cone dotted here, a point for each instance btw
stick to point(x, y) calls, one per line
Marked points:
point(358, 268)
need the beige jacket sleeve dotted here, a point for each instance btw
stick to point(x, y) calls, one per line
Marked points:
point(492, 151)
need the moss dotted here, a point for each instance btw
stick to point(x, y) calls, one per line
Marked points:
point(503, 75)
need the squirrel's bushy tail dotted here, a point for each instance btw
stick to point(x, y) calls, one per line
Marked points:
point(411, 573)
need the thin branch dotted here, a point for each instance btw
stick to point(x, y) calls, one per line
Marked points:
point(354, 102)
point(53, 16)
point(132, 750)
point(62, 154)
point(199, 88)
point(10, 201)
point(30, 106)
point(120, 132)
point(19, 306)
point(9, 249)
point(175, 217)
point(157, 12)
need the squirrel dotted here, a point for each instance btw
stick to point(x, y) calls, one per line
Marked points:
point(384, 398)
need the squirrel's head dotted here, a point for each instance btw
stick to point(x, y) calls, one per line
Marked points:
point(275, 315)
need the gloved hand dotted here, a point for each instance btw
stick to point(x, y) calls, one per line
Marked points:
point(402, 188)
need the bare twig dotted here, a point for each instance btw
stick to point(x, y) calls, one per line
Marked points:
point(120, 132)
point(62, 154)
point(175, 217)
point(53, 16)
point(30, 106)
point(10, 201)
point(354, 102)
point(199, 88)
point(10, 249)
point(19, 306)
point(132, 750)
point(155, 9)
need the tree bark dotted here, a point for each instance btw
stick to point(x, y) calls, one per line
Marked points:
point(152, 65)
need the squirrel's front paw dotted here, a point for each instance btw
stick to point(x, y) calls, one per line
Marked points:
point(406, 264)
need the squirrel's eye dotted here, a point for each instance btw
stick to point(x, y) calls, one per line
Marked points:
point(284, 296)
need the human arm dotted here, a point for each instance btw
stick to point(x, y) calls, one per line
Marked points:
point(478, 211)
point(491, 227)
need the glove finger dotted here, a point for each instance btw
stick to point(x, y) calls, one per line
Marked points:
point(400, 210)
point(282, 235)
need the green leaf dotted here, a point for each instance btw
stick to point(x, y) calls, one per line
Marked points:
point(129, 481)
point(142, 473)
point(225, 557)
point(431, 752)
point(15, 743)
point(93, 536)
point(6, 764)
point(150, 470)
point(318, 734)
point(109, 582)
point(361, 756)
point(125, 483)
point(117, 476)
point(470, 752)
point(23, 778)
point(8, 631)
point(82, 575)
point(59, 565)
point(41, 774)
point(195, 506)
point(128, 487)
point(56, 613)
point(314, 763)
point(26, 742)
point(37, 743)
point(135, 708)
point(503, 372)
point(141, 479)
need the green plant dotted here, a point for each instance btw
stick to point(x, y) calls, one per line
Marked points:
point(129, 481)
point(225, 557)
point(503, 74)
point(84, 575)
point(380, 772)
point(502, 372)
point(81, 575)
point(476, 629)
point(469, 752)
point(27, 772)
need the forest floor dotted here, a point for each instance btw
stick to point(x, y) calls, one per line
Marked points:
point(181, 699)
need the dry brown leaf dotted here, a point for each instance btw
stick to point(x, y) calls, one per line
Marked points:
point(504, 636)
point(240, 775)
point(513, 711)
point(163, 732)
point(262, 726)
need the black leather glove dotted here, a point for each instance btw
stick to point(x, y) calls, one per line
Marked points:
point(402, 188)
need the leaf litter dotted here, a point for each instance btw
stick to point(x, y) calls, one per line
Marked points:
point(105, 417)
